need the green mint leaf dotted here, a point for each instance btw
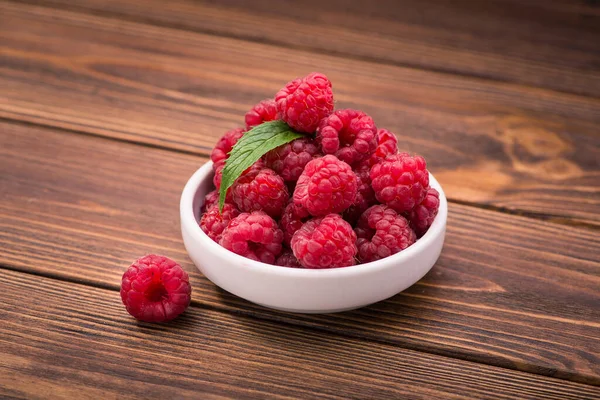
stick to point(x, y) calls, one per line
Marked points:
point(253, 145)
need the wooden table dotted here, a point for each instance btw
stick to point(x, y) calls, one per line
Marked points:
point(108, 106)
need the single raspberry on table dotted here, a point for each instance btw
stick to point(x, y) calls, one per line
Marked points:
point(327, 185)
point(155, 289)
point(400, 181)
point(264, 111)
point(421, 217)
point(303, 102)
point(210, 200)
point(253, 235)
point(260, 189)
point(387, 144)
point(288, 259)
point(213, 222)
point(221, 150)
point(292, 219)
point(327, 242)
point(290, 159)
point(365, 196)
point(348, 134)
point(381, 232)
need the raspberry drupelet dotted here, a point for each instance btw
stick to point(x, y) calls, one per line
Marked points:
point(327, 185)
point(327, 242)
point(400, 181)
point(421, 217)
point(350, 135)
point(290, 159)
point(264, 111)
point(253, 235)
point(381, 232)
point(304, 102)
point(155, 289)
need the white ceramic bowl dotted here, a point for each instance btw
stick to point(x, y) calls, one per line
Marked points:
point(305, 290)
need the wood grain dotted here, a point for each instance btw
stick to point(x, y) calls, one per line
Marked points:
point(556, 46)
point(507, 291)
point(65, 340)
point(525, 150)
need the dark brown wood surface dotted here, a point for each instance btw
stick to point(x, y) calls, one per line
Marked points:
point(99, 350)
point(465, 37)
point(108, 107)
point(530, 151)
point(487, 299)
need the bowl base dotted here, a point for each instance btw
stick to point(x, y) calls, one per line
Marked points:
point(298, 311)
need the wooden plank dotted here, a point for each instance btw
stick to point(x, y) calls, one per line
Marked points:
point(64, 340)
point(508, 291)
point(525, 150)
point(545, 44)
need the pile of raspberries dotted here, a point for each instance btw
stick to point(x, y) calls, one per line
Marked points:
point(341, 195)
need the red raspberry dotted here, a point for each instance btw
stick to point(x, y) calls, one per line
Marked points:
point(253, 235)
point(290, 159)
point(288, 259)
point(210, 200)
point(327, 185)
point(327, 242)
point(303, 102)
point(348, 134)
point(264, 111)
point(262, 190)
point(155, 289)
point(365, 197)
point(421, 217)
point(214, 222)
point(387, 144)
point(292, 219)
point(382, 232)
point(400, 181)
point(221, 151)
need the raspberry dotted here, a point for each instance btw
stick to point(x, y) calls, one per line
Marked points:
point(387, 144)
point(253, 235)
point(365, 197)
point(210, 200)
point(292, 219)
point(288, 259)
point(260, 189)
point(400, 181)
point(290, 159)
point(221, 151)
point(214, 222)
point(303, 102)
point(327, 242)
point(264, 111)
point(327, 185)
point(382, 232)
point(348, 134)
point(155, 289)
point(421, 217)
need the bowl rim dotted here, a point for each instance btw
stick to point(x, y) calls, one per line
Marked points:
point(189, 222)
